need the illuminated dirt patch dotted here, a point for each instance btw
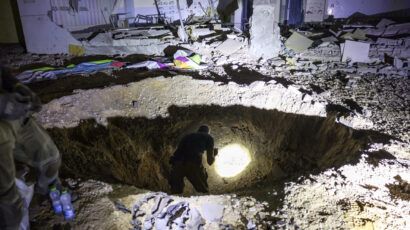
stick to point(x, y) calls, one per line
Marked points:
point(137, 150)
point(232, 160)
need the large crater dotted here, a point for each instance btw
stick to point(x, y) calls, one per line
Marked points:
point(136, 151)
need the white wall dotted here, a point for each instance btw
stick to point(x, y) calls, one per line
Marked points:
point(40, 33)
point(90, 13)
point(345, 8)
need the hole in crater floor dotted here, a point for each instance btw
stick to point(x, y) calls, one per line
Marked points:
point(282, 146)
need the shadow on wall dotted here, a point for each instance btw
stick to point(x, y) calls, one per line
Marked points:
point(136, 150)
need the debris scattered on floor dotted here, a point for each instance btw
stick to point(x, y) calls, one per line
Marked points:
point(51, 73)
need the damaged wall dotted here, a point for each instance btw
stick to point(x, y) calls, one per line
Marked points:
point(88, 14)
point(40, 33)
point(345, 8)
point(169, 8)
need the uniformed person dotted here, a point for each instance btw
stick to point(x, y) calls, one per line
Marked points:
point(187, 161)
point(22, 139)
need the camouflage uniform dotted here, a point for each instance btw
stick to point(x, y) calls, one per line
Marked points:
point(21, 139)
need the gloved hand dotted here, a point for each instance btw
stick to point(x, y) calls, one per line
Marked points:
point(215, 151)
point(11, 108)
point(25, 95)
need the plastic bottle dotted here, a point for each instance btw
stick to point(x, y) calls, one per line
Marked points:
point(55, 200)
point(68, 208)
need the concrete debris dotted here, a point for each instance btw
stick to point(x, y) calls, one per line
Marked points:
point(399, 48)
point(102, 39)
point(355, 52)
point(265, 33)
point(384, 23)
point(196, 33)
point(400, 63)
point(230, 46)
point(327, 51)
point(330, 39)
point(140, 33)
point(397, 29)
point(298, 42)
point(358, 34)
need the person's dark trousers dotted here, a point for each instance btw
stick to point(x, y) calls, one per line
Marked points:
point(194, 172)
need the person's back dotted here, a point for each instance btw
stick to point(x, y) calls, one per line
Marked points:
point(187, 161)
point(192, 146)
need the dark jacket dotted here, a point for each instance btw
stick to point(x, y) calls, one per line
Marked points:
point(192, 146)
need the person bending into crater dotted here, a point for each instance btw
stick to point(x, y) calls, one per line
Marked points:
point(22, 139)
point(187, 161)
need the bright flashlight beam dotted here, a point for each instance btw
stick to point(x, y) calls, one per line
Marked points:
point(232, 160)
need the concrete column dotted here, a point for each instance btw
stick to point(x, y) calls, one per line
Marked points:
point(238, 15)
point(265, 32)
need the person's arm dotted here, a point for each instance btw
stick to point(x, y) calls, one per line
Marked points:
point(210, 156)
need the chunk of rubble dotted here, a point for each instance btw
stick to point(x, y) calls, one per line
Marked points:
point(330, 39)
point(196, 33)
point(354, 51)
point(298, 42)
point(325, 52)
point(397, 29)
point(384, 23)
point(230, 46)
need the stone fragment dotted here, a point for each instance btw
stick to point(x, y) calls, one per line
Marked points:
point(298, 42)
point(384, 23)
point(355, 51)
point(199, 32)
point(229, 46)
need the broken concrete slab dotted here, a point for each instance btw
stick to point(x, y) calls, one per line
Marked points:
point(130, 46)
point(298, 42)
point(400, 63)
point(102, 39)
point(397, 29)
point(384, 23)
point(355, 52)
point(330, 39)
point(230, 46)
point(325, 52)
point(265, 33)
point(359, 34)
point(195, 33)
point(44, 36)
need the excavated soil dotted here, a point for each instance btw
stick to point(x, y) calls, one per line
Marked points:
point(136, 151)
